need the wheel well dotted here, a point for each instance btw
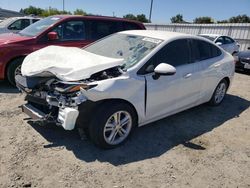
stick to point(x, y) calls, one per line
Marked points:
point(87, 108)
point(8, 64)
point(121, 101)
point(234, 53)
point(227, 80)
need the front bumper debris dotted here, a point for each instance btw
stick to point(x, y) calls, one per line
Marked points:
point(66, 116)
point(33, 112)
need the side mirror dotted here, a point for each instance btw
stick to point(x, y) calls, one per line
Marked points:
point(53, 36)
point(218, 43)
point(248, 48)
point(163, 69)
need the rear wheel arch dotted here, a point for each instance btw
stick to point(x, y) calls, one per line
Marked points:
point(227, 80)
point(234, 53)
point(213, 101)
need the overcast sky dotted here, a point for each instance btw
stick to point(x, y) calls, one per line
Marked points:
point(163, 10)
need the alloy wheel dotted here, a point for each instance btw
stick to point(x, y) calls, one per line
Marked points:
point(117, 128)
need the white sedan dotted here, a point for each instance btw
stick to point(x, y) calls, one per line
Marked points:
point(225, 42)
point(16, 24)
point(125, 80)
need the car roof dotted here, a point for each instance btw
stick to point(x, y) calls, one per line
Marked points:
point(96, 17)
point(163, 35)
point(211, 35)
point(23, 17)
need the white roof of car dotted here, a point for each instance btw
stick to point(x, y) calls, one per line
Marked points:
point(163, 35)
point(211, 35)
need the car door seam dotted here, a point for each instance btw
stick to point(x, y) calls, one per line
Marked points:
point(145, 96)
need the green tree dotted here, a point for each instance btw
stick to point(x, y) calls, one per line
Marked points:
point(139, 17)
point(130, 17)
point(203, 20)
point(80, 12)
point(142, 18)
point(240, 19)
point(177, 19)
point(223, 21)
point(53, 11)
point(32, 10)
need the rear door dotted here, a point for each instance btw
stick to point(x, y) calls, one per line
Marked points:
point(206, 56)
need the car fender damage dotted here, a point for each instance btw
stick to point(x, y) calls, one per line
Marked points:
point(58, 103)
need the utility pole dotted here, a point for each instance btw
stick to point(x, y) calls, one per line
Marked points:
point(63, 6)
point(151, 7)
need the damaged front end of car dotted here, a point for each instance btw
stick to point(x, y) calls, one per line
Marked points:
point(50, 100)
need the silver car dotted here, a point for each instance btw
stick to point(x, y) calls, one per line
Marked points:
point(16, 24)
point(225, 42)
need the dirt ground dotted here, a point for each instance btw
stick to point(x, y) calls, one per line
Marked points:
point(201, 147)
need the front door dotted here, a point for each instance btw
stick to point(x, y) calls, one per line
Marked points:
point(170, 94)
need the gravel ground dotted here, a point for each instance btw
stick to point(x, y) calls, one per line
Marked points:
point(201, 147)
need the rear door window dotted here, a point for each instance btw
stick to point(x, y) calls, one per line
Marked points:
point(202, 50)
point(98, 29)
point(228, 40)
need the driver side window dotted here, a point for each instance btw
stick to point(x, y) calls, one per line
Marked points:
point(71, 30)
point(19, 24)
point(175, 53)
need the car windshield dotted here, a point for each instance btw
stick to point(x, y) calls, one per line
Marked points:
point(131, 48)
point(208, 37)
point(39, 26)
point(6, 22)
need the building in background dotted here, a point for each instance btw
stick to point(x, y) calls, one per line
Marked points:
point(9, 13)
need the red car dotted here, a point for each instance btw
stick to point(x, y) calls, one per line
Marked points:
point(63, 30)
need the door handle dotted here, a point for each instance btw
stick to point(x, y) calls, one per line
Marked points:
point(188, 75)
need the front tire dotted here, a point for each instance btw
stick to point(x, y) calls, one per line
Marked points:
point(14, 69)
point(219, 93)
point(112, 124)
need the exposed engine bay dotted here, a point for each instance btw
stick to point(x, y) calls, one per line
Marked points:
point(51, 100)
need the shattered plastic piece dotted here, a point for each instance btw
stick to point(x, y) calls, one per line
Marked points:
point(67, 117)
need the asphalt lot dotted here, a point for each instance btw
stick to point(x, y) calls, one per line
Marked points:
point(201, 147)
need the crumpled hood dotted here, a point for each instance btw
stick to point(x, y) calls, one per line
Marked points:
point(66, 63)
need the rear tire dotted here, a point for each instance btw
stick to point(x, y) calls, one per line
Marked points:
point(112, 124)
point(14, 69)
point(219, 93)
